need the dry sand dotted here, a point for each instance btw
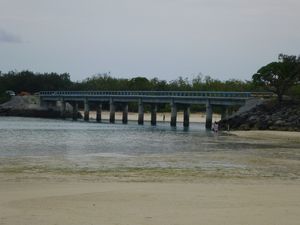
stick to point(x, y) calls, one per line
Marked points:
point(215, 202)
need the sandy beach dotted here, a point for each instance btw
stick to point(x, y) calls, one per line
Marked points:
point(211, 202)
point(268, 192)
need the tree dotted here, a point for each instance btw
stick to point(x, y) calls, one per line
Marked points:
point(33, 82)
point(280, 76)
point(139, 84)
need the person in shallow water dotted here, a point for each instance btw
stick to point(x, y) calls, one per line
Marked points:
point(215, 127)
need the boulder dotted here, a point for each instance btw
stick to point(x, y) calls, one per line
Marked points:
point(266, 116)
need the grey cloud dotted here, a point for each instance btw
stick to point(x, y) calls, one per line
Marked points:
point(9, 37)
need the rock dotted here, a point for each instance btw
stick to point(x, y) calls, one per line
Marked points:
point(29, 106)
point(245, 127)
point(267, 116)
point(279, 122)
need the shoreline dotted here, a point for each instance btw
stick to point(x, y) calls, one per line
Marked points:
point(293, 136)
point(38, 191)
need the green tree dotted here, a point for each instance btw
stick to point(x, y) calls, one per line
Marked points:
point(139, 84)
point(180, 84)
point(280, 76)
point(34, 82)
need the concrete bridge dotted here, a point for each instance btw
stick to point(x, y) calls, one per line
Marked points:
point(174, 98)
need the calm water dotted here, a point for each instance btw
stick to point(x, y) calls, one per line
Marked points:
point(104, 145)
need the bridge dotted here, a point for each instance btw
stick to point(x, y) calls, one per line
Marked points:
point(175, 98)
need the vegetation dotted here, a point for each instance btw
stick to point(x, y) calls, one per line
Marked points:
point(27, 81)
point(4, 98)
point(281, 76)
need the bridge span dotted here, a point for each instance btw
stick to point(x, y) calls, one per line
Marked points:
point(174, 98)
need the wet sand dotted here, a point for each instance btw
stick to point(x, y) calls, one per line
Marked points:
point(273, 135)
point(266, 191)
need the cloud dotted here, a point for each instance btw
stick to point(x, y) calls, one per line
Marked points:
point(9, 37)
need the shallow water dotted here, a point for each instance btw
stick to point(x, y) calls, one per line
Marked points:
point(91, 145)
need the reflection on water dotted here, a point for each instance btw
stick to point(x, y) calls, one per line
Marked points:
point(104, 145)
point(40, 137)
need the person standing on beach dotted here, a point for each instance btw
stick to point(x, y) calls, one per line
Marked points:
point(215, 127)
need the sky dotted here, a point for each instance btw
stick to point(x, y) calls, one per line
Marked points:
point(225, 39)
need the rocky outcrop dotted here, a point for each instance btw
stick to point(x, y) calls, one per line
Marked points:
point(29, 106)
point(267, 116)
point(42, 113)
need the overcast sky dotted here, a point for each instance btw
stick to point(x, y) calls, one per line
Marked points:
point(154, 38)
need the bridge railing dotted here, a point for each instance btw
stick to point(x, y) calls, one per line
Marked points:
point(262, 94)
point(217, 94)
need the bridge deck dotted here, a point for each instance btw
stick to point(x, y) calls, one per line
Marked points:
point(179, 97)
point(174, 98)
point(216, 94)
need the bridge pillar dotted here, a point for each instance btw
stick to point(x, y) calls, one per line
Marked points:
point(75, 111)
point(112, 110)
point(63, 109)
point(141, 113)
point(186, 116)
point(173, 114)
point(208, 122)
point(51, 104)
point(98, 113)
point(224, 113)
point(43, 103)
point(125, 114)
point(86, 111)
point(153, 114)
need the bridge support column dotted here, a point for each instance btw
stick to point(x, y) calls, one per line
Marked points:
point(86, 111)
point(125, 114)
point(186, 116)
point(51, 104)
point(43, 103)
point(173, 114)
point(141, 113)
point(208, 122)
point(224, 113)
point(63, 109)
point(75, 111)
point(112, 110)
point(153, 114)
point(98, 113)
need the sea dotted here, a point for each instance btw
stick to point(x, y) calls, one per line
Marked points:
point(80, 145)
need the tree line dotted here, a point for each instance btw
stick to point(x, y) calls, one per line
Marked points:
point(27, 81)
point(281, 77)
